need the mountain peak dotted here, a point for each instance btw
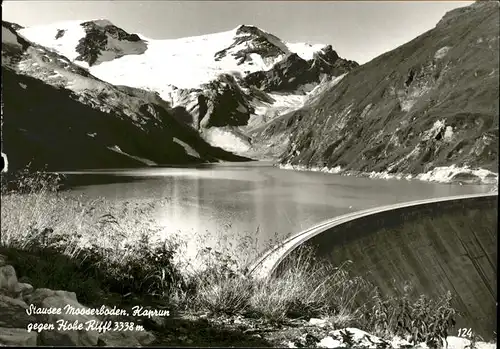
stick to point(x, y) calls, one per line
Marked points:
point(248, 29)
point(101, 22)
point(250, 41)
point(12, 25)
point(103, 38)
point(91, 41)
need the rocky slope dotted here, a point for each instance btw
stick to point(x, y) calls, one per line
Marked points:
point(426, 105)
point(294, 73)
point(20, 306)
point(217, 83)
point(58, 114)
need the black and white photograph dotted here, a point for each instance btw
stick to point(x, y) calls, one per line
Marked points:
point(288, 174)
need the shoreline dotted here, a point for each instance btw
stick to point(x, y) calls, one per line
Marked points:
point(443, 175)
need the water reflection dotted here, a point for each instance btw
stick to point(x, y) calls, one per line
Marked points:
point(223, 204)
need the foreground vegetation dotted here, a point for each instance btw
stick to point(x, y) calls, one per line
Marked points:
point(113, 255)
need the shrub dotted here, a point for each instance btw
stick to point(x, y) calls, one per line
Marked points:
point(305, 288)
point(110, 243)
point(424, 320)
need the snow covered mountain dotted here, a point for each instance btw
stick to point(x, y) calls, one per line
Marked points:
point(58, 114)
point(222, 84)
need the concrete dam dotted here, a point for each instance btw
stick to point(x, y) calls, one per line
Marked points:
point(436, 245)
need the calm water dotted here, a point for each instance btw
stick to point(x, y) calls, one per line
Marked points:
point(221, 204)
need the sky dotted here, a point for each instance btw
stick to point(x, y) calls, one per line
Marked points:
point(357, 30)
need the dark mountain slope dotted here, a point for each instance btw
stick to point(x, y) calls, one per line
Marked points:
point(431, 102)
point(293, 72)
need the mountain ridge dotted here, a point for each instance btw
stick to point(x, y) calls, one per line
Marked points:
point(74, 120)
point(430, 103)
point(192, 73)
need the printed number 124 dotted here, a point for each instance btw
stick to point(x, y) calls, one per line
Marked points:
point(465, 332)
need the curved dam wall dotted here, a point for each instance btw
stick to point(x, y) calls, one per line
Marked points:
point(436, 247)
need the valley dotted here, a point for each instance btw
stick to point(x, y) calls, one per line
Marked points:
point(426, 110)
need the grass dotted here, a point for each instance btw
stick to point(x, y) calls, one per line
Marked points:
point(112, 254)
point(422, 321)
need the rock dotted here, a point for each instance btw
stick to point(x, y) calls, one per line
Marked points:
point(307, 339)
point(464, 343)
point(46, 298)
point(318, 322)
point(22, 290)
point(3, 260)
point(144, 337)
point(40, 294)
point(17, 337)
point(117, 339)
point(13, 313)
point(8, 279)
point(69, 338)
point(156, 322)
point(398, 342)
point(329, 342)
point(67, 301)
point(183, 330)
point(351, 337)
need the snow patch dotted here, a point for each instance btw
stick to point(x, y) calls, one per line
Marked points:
point(325, 169)
point(304, 50)
point(115, 148)
point(147, 162)
point(441, 52)
point(282, 104)
point(434, 130)
point(387, 175)
point(189, 150)
point(226, 139)
point(448, 133)
point(45, 35)
point(445, 174)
